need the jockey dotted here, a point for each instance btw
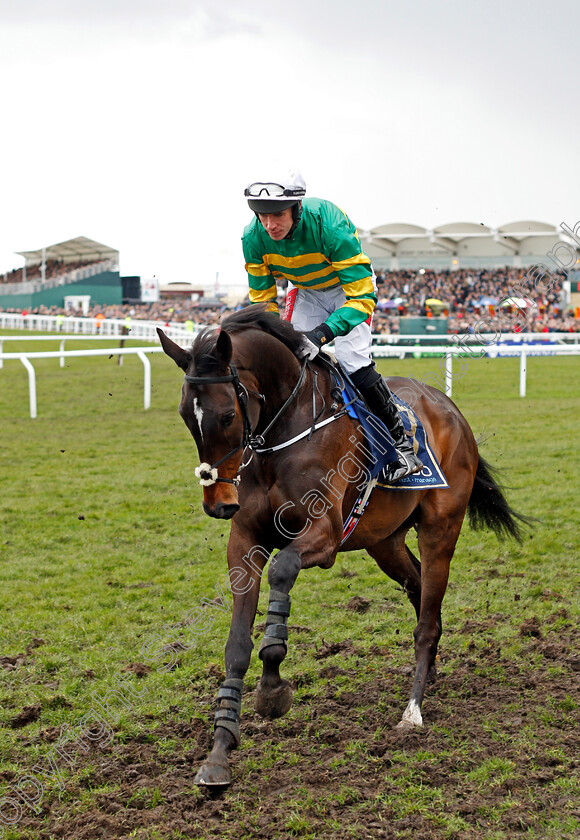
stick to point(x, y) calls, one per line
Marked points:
point(331, 288)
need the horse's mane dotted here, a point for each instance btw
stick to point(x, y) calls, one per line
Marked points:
point(256, 317)
point(251, 317)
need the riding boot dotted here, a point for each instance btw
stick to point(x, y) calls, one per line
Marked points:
point(379, 399)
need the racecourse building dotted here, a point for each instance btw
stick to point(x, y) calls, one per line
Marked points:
point(471, 245)
point(75, 272)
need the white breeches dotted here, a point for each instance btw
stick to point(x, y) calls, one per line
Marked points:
point(311, 308)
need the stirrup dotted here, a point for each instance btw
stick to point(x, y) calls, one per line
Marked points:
point(404, 466)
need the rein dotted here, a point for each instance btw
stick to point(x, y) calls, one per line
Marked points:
point(259, 439)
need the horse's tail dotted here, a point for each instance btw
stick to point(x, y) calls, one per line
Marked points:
point(488, 507)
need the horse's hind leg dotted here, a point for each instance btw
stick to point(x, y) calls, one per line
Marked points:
point(397, 561)
point(438, 535)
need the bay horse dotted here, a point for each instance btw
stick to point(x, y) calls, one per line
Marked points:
point(251, 405)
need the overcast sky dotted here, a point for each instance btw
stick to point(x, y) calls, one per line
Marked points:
point(138, 123)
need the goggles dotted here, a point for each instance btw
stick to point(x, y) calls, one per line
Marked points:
point(269, 190)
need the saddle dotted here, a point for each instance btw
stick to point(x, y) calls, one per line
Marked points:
point(378, 438)
point(381, 446)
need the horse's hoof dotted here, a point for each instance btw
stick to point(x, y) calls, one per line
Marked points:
point(273, 702)
point(213, 774)
point(412, 718)
point(407, 726)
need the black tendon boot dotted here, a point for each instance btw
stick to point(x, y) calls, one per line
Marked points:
point(379, 399)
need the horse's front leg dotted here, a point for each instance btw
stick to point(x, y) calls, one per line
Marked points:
point(317, 548)
point(244, 577)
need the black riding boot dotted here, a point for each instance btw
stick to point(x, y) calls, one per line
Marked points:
point(379, 399)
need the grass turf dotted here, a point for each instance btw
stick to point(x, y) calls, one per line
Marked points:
point(105, 549)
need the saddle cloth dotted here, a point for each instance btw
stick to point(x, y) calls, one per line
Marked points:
point(382, 447)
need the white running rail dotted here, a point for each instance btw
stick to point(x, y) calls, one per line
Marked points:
point(445, 381)
point(389, 346)
point(107, 351)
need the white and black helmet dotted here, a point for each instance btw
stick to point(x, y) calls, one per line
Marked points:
point(279, 193)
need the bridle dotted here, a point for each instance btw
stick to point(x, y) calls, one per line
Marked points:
point(208, 473)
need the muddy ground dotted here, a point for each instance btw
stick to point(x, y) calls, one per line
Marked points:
point(495, 758)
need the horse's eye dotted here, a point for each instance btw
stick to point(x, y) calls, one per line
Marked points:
point(227, 419)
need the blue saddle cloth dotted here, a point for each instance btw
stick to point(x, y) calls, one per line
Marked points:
point(382, 447)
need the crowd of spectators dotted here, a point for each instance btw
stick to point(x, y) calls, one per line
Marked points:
point(470, 296)
point(467, 297)
point(52, 268)
point(168, 310)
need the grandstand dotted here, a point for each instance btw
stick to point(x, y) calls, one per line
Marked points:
point(77, 268)
point(445, 280)
point(470, 245)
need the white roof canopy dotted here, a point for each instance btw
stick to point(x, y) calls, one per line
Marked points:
point(462, 239)
point(80, 249)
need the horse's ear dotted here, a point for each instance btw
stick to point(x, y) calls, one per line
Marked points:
point(181, 357)
point(224, 347)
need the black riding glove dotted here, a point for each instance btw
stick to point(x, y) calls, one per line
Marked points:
point(315, 339)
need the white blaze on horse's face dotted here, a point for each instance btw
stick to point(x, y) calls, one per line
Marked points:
point(198, 411)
